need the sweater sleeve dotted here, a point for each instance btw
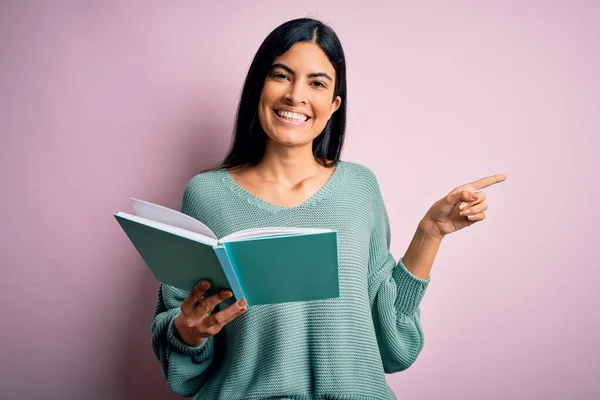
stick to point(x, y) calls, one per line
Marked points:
point(185, 368)
point(394, 295)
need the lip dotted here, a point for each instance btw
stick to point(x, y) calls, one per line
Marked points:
point(288, 122)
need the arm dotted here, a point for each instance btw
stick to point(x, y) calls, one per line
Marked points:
point(394, 294)
point(422, 250)
point(185, 368)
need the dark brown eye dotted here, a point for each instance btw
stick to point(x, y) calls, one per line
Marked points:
point(278, 75)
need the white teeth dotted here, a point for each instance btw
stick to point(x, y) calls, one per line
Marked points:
point(292, 116)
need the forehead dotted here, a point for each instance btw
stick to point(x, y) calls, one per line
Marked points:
point(306, 57)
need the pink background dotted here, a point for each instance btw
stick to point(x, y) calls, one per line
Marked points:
point(102, 101)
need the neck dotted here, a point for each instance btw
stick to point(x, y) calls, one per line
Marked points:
point(288, 165)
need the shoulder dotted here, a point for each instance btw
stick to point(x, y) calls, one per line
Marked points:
point(205, 179)
point(360, 176)
point(201, 187)
point(204, 182)
point(362, 184)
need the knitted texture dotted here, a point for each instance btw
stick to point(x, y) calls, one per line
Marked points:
point(334, 349)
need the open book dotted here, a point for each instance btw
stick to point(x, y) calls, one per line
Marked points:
point(264, 266)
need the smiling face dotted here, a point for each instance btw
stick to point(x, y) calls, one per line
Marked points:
point(296, 100)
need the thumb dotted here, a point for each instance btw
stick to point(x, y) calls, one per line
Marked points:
point(465, 195)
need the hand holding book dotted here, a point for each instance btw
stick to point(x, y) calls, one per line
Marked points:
point(195, 322)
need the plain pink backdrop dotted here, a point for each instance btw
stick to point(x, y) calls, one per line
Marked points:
point(102, 101)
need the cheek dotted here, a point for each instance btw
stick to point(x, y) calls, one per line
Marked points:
point(321, 110)
point(264, 106)
point(271, 91)
point(263, 117)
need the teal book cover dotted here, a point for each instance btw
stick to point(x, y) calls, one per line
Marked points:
point(286, 268)
point(264, 266)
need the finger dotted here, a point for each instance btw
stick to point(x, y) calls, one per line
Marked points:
point(487, 181)
point(208, 304)
point(227, 315)
point(464, 196)
point(195, 296)
point(479, 197)
point(476, 217)
point(476, 209)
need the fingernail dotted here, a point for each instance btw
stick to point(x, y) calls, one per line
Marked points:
point(242, 302)
point(205, 285)
point(471, 217)
point(226, 293)
point(462, 205)
point(244, 310)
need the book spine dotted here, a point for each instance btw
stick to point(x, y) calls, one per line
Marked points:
point(238, 293)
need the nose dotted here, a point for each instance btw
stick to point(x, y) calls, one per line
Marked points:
point(296, 93)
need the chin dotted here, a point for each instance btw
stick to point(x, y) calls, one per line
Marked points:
point(289, 139)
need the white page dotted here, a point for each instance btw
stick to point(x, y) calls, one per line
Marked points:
point(250, 233)
point(169, 216)
point(171, 229)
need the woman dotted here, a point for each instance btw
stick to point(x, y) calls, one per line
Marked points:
point(284, 169)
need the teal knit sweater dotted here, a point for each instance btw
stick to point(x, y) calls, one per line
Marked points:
point(326, 349)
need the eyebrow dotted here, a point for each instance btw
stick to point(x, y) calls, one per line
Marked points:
point(291, 71)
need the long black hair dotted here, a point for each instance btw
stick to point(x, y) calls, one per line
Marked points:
point(249, 139)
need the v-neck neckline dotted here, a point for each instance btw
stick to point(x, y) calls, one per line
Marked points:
point(319, 195)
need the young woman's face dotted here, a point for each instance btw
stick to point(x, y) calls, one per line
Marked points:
point(297, 97)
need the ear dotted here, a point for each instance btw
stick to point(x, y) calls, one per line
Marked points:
point(335, 105)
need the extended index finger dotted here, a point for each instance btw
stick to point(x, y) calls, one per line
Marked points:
point(487, 181)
